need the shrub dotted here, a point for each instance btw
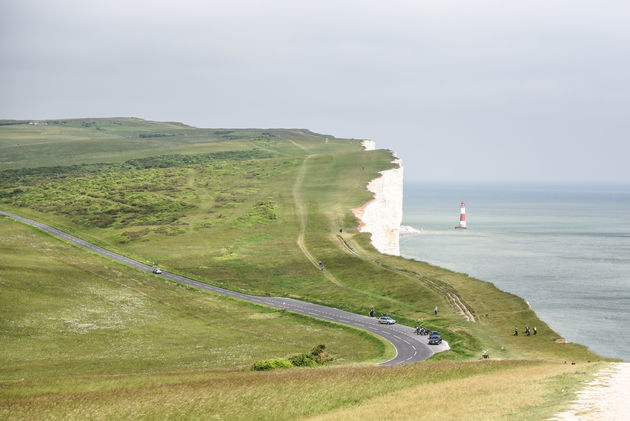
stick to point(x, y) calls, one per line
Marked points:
point(272, 364)
point(316, 357)
point(320, 355)
point(303, 360)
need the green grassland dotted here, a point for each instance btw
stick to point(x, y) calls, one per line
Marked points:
point(77, 314)
point(99, 140)
point(455, 391)
point(225, 207)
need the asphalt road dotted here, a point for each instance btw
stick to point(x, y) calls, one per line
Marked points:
point(409, 346)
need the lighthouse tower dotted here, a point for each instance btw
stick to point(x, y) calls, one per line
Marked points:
point(462, 217)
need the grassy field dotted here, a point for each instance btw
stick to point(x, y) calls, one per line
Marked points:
point(226, 207)
point(115, 140)
point(455, 391)
point(230, 218)
point(66, 312)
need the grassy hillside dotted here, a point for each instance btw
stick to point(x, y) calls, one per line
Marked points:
point(242, 209)
point(81, 141)
point(455, 391)
point(230, 217)
point(66, 312)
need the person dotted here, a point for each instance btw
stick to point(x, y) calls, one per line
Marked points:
point(417, 330)
point(284, 307)
point(372, 312)
point(321, 265)
point(515, 331)
point(535, 331)
point(435, 310)
point(527, 330)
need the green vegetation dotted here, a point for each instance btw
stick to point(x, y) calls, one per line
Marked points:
point(65, 312)
point(455, 391)
point(227, 207)
point(272, 364)
point(317, 357)
point(109, 140)
point(30, 175)
point(229, 217)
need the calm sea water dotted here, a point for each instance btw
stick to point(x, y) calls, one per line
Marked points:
point(566, 250)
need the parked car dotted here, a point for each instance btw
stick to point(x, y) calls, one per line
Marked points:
point(435, 339)
point(157, 271)
point(386, 320)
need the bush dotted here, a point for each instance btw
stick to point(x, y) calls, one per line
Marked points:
point(272, 364)
point(318, 356)
point(303, 360)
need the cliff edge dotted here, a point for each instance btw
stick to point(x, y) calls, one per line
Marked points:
point(382, 216)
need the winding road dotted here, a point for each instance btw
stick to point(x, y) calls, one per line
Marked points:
point(409, 346)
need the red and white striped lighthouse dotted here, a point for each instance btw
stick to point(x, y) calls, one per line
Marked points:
point(462, 216)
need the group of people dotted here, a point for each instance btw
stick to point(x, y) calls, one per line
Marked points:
point(527, 331)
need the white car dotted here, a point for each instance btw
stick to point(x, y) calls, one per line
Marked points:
point(386, 320)
point(157, 271)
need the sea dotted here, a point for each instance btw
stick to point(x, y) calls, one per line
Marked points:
point(564, 249)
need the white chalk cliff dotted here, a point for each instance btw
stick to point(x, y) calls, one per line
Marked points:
point(382, 216)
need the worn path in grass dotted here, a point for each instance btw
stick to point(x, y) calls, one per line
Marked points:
point(301, 212)
point(409, 346)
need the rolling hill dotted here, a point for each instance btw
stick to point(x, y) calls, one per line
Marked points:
point(225, 207)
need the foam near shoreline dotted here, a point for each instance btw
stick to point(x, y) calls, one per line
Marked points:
point(382, 216)
point(409, 230)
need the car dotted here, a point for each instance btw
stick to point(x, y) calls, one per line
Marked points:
point(157, 271)
point(386, 320)
point(435, 339)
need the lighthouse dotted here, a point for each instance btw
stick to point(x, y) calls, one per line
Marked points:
point(462, 217)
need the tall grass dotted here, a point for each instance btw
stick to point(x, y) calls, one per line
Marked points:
point(449, 390)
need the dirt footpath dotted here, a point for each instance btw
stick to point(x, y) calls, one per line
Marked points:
point(607, 397)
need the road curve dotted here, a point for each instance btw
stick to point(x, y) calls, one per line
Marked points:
point(409, 347)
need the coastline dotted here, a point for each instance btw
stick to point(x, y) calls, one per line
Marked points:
point(557, 248)
point(382, 216)
point(604, 398)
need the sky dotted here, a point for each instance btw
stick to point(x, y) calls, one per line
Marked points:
point(463, 91)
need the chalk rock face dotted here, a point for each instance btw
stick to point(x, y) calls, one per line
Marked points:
point(382, 216)
point(369, 145)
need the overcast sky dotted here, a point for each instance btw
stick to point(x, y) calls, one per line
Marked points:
point(528, 91)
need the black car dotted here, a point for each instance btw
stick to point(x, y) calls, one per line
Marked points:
point(435, 339)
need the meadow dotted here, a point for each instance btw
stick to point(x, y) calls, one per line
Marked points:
point(454, 391)
point(65, 312)
point(227, 207)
